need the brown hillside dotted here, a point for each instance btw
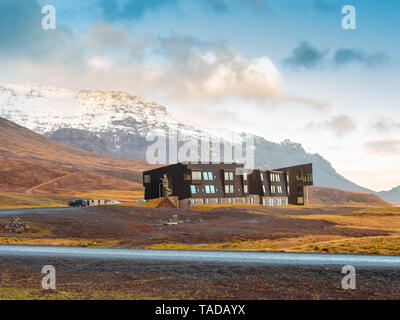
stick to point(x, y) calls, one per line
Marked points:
point(32, 163)
point(335, 197)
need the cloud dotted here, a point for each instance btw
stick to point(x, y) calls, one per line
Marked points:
point(305, 56)
point(324, 6)
point(340, 125)
point(134, 9)
point(389, 147)
point(177, 68)
point(344, 57)
point(384, 125)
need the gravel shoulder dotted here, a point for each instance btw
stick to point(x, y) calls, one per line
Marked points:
point(97, 279)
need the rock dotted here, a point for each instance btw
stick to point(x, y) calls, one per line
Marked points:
point(18, 230)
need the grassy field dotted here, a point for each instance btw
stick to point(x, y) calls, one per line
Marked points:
point(369, 230)
point(376, 218)
point(10, 200)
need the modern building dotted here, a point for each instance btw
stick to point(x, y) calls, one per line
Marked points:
point(300, 178)
point(190, 184)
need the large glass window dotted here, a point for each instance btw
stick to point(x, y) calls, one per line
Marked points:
point(212, 189)
point(210, 176)
point(205, 176)
point(279, 189)
point(193, 189)
point(262, 176)
point(244, 176)
point(273, 190)
point(245, 189)
point(231, 190)
point(207, 189)
point(263, 188)
point(226, 189)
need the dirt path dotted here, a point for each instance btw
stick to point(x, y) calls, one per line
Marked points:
point(29, 191)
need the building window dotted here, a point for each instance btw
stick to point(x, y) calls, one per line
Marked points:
point(279, 189)
point(228, 175)
point(288, 189)
point(212, 189)
point(207, 189)
point(231, 190)
point(146, 178)
point(226, 189)
point(245, 190)
point(230, 200)
point(273, 189)
point(244, 176)
point(207, 201)
point(272, 177)
point(196, 175)
point(262, 176)
point(263, 188)
point(278, 178)
point(205, 176)
point(271, 202)
point(210, 176)
point(193, 189)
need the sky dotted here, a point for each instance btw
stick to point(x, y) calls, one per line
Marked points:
point(282, 69)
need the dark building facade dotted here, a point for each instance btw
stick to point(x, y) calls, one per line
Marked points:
point(299, 178)
point(198, 183)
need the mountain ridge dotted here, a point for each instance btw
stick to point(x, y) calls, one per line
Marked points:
point(115, 124)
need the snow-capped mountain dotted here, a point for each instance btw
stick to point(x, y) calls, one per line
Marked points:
point(116, 123)
point(45, 110)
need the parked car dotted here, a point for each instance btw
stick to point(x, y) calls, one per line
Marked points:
point(78, 203)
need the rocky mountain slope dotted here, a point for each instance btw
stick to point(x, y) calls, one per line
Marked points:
point(30, 163)
point(116, 124)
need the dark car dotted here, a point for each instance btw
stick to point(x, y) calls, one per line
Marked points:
point(78, 203)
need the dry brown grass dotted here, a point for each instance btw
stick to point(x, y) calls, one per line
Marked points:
point(374, 222)
point(14, 200)
point(68, 242)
